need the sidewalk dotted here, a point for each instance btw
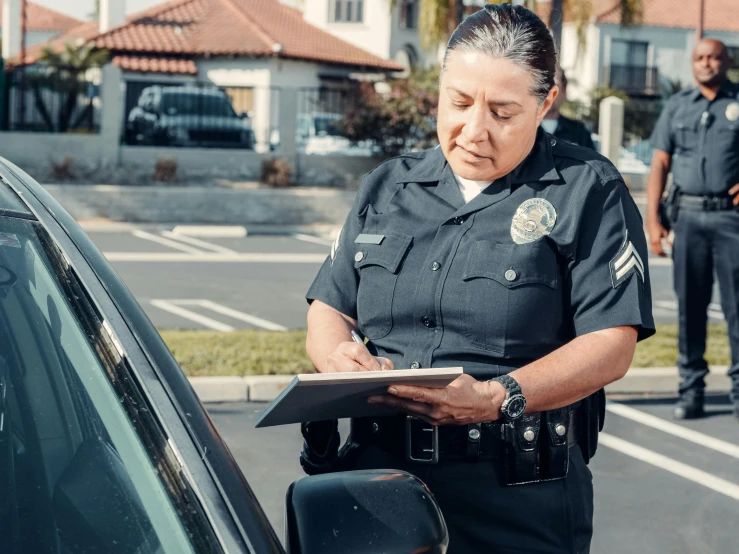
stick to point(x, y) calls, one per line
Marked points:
point(654, 381)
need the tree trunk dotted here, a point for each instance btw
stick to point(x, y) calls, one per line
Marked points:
point(555, 23)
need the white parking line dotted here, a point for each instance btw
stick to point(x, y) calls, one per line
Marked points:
point(235, 314)
point(714, 310)
point(673, 466)
point(166, 242)
point(192, 316)
point(310, 238)
point(673, 429)
point(198, 242)
point(211, 231)
point(199, 256)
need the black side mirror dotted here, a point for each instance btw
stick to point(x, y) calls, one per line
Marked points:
point(363, 512)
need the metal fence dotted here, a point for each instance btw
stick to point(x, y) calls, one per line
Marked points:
point(199, 115)
point(320, 114)
point(51, 100)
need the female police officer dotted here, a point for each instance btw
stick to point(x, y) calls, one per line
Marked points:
point(507, 252)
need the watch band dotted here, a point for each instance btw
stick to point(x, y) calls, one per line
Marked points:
point(514, 397)
point(509, 383)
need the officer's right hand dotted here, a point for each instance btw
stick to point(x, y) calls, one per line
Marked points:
point(352, 356)
point(656, 234)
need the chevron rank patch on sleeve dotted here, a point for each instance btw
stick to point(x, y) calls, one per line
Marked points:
point(626, 262)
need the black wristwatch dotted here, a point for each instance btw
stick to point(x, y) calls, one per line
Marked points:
point(514, 405)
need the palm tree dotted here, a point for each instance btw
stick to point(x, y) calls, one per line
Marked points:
point(65, 73)
point(439, 18)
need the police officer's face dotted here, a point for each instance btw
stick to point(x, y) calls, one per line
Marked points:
point(488, 117)
point(710, 63)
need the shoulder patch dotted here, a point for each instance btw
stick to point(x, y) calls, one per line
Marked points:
point(626, 262)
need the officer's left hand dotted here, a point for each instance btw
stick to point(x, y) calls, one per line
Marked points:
point(734, 191)
point(465, 400)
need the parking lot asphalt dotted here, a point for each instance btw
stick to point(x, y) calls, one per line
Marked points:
point(222, 283)
point(660, 487)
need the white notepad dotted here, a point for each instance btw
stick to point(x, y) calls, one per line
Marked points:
point(320, 396)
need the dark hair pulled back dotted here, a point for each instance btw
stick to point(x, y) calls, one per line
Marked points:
point(512, 33)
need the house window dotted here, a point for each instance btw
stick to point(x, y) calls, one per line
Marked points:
point(627, 53)
point(629, 70)
point(409, 14)
point(347, 11)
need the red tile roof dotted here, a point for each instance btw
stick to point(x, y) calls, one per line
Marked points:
point(156, 65)
point(719, 15)
point(223, 27)
point(43, 19)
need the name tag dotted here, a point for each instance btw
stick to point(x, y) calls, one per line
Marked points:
point(369, 239)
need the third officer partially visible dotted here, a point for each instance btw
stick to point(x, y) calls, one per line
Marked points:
point(697, 136)
point(563, 127)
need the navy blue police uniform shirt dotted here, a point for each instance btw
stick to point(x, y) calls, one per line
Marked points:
point(573, 131)
point(435, 282)
point(704, 148)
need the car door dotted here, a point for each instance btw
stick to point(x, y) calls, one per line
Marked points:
point(104, 445)
point(109, 447)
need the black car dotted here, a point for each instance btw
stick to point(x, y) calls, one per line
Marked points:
point(188, 116)
point(104, 446)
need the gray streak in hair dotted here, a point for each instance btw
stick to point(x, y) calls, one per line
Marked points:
point(512, 33)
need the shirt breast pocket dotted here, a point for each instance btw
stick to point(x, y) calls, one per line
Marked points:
point(378, 266)
point(512, 299)
point(686, 135)
point(729, 135)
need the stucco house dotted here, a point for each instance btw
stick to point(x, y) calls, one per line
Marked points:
point(643, 60)
point(255, 46)
point(373, 26)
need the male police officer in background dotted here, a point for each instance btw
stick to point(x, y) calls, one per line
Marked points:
point(563, 127)
point(697, 135)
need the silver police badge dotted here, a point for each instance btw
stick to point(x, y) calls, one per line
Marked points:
point(533, 219)
point(732, 111)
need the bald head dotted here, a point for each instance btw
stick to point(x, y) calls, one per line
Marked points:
point(710, 63)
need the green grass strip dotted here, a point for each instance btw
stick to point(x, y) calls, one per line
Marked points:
point(253, 352)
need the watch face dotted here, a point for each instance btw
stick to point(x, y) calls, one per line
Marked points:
point(516, 406)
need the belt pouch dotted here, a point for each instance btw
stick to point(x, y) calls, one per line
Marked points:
point(555, 455)
point(590, 417)
point(521, 462)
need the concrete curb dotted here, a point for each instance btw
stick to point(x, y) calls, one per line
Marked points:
point(295, 206)
point(650, 381)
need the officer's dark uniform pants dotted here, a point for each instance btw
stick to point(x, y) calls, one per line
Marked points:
point(704, 242)
point(486, 517)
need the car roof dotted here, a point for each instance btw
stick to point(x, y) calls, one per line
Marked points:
point(11, 203)
point(192, 90)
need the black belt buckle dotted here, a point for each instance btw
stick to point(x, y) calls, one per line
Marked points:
point(428, 452)
point(711, 203)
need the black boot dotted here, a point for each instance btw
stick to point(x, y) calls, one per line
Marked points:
point(690, 405)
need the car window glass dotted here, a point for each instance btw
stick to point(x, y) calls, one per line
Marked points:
point(196, 103)
point(74, 475)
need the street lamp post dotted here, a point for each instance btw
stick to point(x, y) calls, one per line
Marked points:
point(699, 27)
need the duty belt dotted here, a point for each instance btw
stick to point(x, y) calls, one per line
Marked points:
point(706, 203)
point(416, 441)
